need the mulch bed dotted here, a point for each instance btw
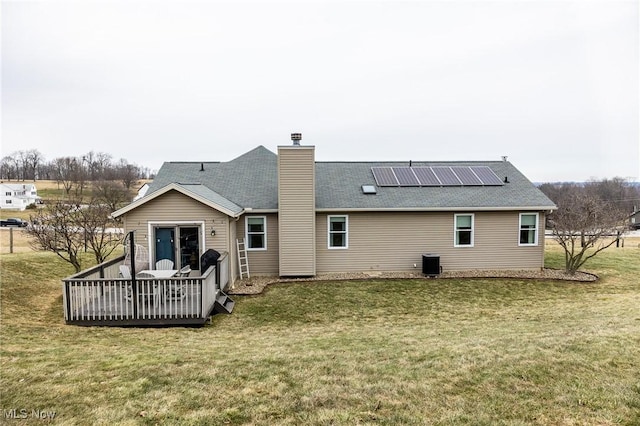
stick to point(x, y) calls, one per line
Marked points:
point(257, 284)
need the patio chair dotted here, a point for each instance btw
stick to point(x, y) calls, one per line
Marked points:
point(184, 271)
point(176, 290)
point(125, 272)
point(164, 264)
point(148, 291)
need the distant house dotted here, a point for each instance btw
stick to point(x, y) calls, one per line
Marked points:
point(17, 196)
point(634, 219)
point(300, 217)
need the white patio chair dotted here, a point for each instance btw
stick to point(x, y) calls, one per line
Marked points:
point(125, 272)
point(164, 264)
point(175, 290)
point(148, 291)
point(184, 271)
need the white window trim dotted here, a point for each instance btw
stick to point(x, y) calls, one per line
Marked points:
point(537, 229)
point(246, 232)
point(455, 229)
point(346, 226)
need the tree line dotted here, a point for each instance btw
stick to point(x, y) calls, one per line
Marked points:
point(90, 167)
point(617, 193)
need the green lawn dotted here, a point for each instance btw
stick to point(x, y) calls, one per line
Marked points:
point(399, 352)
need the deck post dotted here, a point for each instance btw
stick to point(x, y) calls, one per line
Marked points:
point(134, 289)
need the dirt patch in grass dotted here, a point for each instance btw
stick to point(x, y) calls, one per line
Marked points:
point(257, 284)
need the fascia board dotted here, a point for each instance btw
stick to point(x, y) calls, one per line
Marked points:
point(182, 190)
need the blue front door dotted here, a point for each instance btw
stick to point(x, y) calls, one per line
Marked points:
point(165, 244)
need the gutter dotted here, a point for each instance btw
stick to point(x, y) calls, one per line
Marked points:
point(441, 209)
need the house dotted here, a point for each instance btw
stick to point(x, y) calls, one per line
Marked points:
point(634, 219)
point(299, 217)
point(17, 196)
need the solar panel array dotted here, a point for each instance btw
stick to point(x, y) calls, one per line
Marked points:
point(436, 176)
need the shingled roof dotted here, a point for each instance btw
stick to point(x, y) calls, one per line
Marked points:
point(251, 181)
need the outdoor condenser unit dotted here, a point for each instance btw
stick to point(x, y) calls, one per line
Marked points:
point(431, 265)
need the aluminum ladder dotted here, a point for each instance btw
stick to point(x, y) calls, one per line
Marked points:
point(243, 260)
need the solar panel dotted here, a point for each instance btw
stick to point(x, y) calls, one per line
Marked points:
point(466, 176)
point(405, 176)
point(436, 176)
point(446, 176)
point(384, 176)
point(486, 175)
point(426, 176)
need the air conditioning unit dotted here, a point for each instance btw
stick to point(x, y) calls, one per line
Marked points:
point(431, 265)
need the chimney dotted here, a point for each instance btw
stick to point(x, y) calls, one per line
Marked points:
point(296, 138)
point(296, 209)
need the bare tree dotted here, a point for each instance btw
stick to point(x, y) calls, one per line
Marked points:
point(67, 228)
point(111, 193)
point(66, 171)
point(32, 160)
point(16, 159)
point(103, 235)
point(102, 165)
point(584, 224)
point(127, 173)
point(54, 228)
point(7, 168)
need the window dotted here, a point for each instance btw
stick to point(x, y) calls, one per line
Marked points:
point(256, 232)
point(8, 194)
point(338, 234)
point(528, 229)
point(464, 230)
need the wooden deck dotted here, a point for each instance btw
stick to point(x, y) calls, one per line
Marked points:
point(98, 296)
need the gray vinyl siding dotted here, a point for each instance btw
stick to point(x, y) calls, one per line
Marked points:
point(296, 210)
point(263, 262)
point(396, 241)
point(174, 207)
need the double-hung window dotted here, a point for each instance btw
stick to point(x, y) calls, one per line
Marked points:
point(256, 232)
point(528, 229)
point(463, 230)
point(338, 232)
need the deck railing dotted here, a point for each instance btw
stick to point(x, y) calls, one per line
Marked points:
point(98, 296)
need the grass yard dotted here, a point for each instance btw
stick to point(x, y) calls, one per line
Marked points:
point(449, 352)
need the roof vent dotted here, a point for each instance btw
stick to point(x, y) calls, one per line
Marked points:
point(202, 167)
point(296, 138)
point(504, 158)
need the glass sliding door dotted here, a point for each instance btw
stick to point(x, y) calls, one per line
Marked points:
point(180, 244)
point(190, 247)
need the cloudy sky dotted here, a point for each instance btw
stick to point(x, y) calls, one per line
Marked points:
point(551, 84)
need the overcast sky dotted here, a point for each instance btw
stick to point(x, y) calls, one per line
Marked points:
point(551, 84)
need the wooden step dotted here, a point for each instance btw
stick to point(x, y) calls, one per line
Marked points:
point(224, 304)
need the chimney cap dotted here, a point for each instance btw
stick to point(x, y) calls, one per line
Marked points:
point(296, 138)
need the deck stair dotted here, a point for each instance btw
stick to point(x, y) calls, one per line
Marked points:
point(243, 259)
point(224, 304)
